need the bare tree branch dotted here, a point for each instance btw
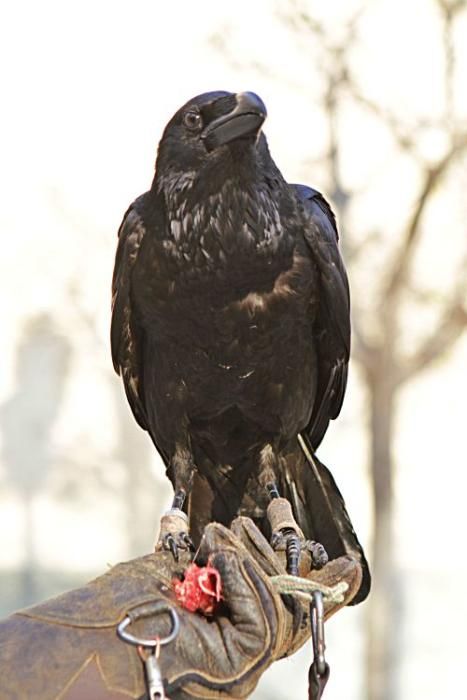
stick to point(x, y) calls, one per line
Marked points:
point(449, 10)
point(432, 177)
point(451, 325)
point(363, 351)
point(403, 134)
point(299, 20)
point(448, 331)
point(337, 77)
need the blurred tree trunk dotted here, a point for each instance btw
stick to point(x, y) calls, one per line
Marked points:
point(142, 493)
point(383, 611)
point(143, 496)
point(26, 421)
point(29, 592)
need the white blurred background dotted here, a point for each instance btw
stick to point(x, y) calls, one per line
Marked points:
point(367, 102)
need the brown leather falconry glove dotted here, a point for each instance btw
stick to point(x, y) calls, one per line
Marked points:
point(68, 649)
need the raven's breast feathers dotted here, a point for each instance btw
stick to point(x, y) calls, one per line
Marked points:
point(240, 268)
point(224, 226)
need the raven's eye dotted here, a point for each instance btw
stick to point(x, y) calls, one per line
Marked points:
point(192, 120)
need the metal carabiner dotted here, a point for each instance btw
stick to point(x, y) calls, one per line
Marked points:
point(317, 632)
point(152, 671)
point(149, 610)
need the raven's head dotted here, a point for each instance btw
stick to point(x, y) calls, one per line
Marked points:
point(206, 129)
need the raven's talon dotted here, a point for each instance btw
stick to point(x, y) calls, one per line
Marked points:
point(176, 542)
point(319, 556)
point(186, 539)
point(169, 543)
point(287, 539)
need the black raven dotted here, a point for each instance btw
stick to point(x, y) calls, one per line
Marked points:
point(231, 322)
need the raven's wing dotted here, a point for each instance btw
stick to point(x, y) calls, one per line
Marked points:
point(320, 509)
point(125, 337)
point(333, 316)
point(306, 482)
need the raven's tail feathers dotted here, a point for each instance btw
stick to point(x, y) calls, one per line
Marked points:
point(320, 509)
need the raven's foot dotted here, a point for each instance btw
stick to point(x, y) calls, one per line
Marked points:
point(176, 542)
point(319, 556)
point(286, 535)
point(173, 535)
point(287, 539)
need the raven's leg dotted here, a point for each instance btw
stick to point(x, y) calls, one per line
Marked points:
point(174, 524)
point(285, 531)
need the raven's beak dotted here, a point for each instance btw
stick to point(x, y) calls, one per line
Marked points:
point(246, 119)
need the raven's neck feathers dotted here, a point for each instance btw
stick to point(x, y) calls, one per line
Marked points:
point(231, 207)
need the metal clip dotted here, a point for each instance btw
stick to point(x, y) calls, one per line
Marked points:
point(318, 674)
point(317, 632)
point(154, 681)
point(149, 610)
